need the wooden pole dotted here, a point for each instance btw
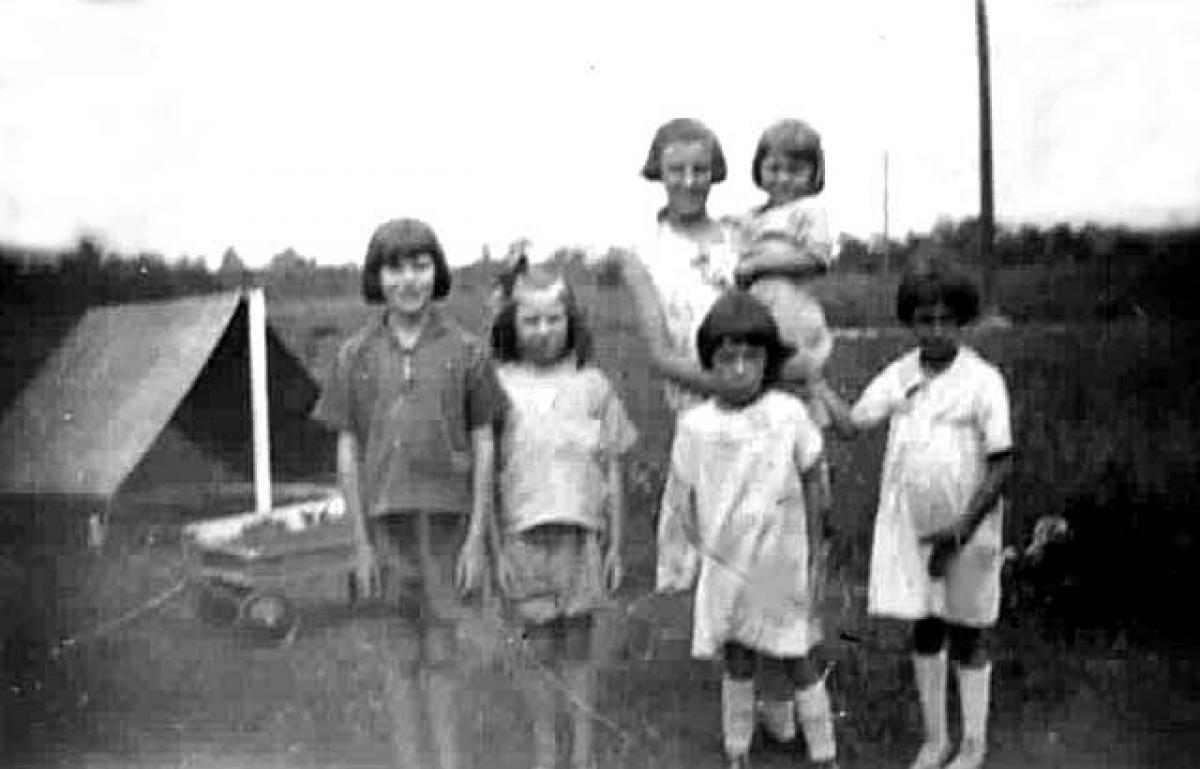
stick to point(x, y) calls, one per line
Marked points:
point(986, 201)
point(259, 405)
point(886, 236)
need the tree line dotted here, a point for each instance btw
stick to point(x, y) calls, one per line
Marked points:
point(1139, 267)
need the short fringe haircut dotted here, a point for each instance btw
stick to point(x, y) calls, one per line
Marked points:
point(398, 240)
point(738, 316)
point(683, 129)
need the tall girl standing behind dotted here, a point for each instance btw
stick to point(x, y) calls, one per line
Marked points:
point(561, 496)
point(936, 557)
point(741, 520)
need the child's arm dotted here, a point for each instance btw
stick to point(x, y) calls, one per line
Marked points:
point(652, 325)
point(366, 567)
point(783, 257)
point(664, 362)
point(840, 415)
point(472, 557)
point(613, 568)
point(678, 526)
point(951, 539)
point(816, 508)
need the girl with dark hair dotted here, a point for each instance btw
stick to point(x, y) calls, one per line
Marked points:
point(937, 553)
point(741, 519)
point(561, 494)
point(414, 399)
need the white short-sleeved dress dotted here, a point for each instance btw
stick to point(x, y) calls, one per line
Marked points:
point(688, 278)
point(942, 429)
point(564, 423)
point(735, 487)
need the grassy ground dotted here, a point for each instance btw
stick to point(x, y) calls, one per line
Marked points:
point(1104, 419)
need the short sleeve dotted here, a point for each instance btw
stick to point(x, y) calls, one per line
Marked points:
point(333, 406)
point(993, 416)
point(811, 227)
point(877, 401)
point(809, 443)
point(618, 432)
point(487, 403)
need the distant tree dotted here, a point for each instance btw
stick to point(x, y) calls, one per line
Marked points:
point(232, 272)
point(231, 263)
point(288, 263)
point(854, 255)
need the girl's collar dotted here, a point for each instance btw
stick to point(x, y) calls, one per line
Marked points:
point(704, 219)
point(567, 364)
point(432, 325)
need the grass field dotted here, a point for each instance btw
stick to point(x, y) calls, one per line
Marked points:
point(1104, 420)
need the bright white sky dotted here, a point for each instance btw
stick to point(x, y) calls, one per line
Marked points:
point(186, 126)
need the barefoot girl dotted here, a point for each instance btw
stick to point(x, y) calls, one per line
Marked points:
point(561, 496)
point(414, 400)
point(740, 520)
point(936, 557)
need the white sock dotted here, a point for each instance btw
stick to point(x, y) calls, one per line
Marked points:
point(974, 688)
point(930, 673)
point(737, 714)
point(816, 719)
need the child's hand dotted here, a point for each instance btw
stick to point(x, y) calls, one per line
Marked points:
point(945, 545)
point(471, 564)
point(744, 275)
point(614, 571)
point(366, 571)
point(506, 573)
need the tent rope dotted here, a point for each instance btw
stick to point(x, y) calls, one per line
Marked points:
point(73, 642)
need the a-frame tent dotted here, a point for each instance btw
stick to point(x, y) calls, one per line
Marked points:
point(153, 401)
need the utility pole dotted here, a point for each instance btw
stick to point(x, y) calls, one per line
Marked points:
point(886, 236)
point(986, 201)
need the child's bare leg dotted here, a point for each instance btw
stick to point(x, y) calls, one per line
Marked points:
point(440, 652)
point(777, 709)
point(813, 711)
point(404, 697)
point(440, 682)
point(542, 642)
point(581, 681)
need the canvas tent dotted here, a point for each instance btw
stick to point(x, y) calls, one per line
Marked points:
point(142, 399)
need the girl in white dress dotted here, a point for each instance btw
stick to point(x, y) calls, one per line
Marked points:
point(937, 550)
point(675, 272)
point(561, 496)
point(740, 520)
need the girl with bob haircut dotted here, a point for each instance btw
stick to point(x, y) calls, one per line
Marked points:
point(391, 245)
point(937, 552)
point(741, 520)
point(679, 266)
point(785, 241)
point(414, 399)
point(561, 496)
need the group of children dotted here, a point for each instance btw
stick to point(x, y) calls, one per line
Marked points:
point(459, 459)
